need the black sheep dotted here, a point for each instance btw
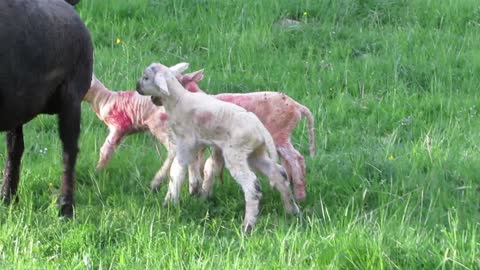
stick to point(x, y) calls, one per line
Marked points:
point(46, 58)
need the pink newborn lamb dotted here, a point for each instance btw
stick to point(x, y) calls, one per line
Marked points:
point(127, 112)
point(280, 114)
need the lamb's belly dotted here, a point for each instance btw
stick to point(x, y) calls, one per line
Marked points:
point(205, 142)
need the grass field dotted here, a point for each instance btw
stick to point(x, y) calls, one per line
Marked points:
point(393, 86)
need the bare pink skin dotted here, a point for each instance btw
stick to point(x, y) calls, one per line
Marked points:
point(124, 113)
point(280, 114)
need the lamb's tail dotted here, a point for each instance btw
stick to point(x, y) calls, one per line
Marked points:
point(308, 115)
point(270, 144)
point(94, 79)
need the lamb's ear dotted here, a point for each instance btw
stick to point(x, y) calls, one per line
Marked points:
point(161, 83)
point(179, 68)
point(197, 75)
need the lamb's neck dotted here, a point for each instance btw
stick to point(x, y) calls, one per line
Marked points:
point(177, 93)
point(171, 102)
point(97, 96)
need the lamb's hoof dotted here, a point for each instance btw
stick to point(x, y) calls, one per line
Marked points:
point(300, 219)
point(205, 195)
point(293, 208)
point(168, 201)
point(100, 165)
point(155, 187)
point(300, 195)
point(194, 189)
point(247, 229)
point(298, 214)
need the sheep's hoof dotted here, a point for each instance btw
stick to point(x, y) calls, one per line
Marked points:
point(66, 206)
point(9, 199)
point(66, 211)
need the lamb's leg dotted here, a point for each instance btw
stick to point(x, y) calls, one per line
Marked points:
point(158, 128)
point(162, 173)
point(178, 172)
point(69, 129)
point(213, 167)
point(295, 166)
point(194, 176)
point(11, 172)
point(237, 164)
point(278, 179)
point(111, 142)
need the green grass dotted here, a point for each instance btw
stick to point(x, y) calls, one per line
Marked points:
point(395, 184)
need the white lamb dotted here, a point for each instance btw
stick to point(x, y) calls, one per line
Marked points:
point(197, 120)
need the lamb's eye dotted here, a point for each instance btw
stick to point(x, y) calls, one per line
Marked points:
point(145, 78)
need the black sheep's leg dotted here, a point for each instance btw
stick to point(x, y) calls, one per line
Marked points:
point(11, 172)
point(69, 125)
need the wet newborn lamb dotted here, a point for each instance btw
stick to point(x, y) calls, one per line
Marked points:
point(124, 113)
point(197, 120)
point(280, 114)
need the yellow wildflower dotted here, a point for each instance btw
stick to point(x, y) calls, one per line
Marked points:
point(391, 157)
point(117, 40)
point(305, 14)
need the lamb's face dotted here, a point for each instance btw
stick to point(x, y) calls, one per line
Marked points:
point(155, 77)
point(146, 85)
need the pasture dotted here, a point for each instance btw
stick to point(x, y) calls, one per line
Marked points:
point(393, 86)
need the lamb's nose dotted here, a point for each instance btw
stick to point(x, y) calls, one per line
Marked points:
point(138, 88)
